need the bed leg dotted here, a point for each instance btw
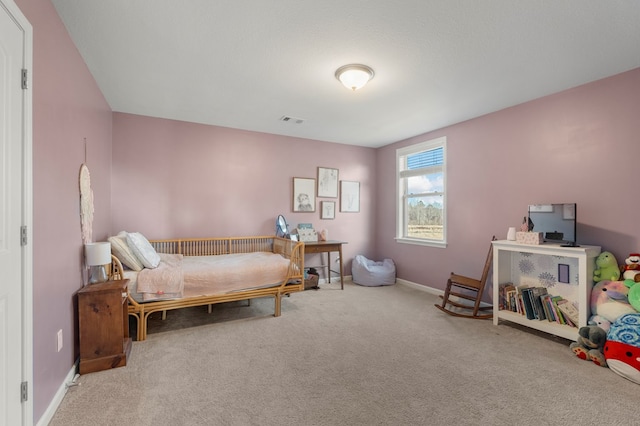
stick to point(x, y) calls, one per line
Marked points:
point(142, 321)
point(138, 329)
point(164, 315)
point(248, 302)
point(278, 298)
point(143, 329)
point(209, 308)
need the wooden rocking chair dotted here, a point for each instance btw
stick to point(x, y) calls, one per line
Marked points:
point(469, 289)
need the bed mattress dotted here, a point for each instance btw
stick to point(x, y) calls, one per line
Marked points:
point(221, 274)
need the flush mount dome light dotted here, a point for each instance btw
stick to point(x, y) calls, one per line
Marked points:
point(354, 76)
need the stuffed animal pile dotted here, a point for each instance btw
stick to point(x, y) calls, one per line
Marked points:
point(612, 337)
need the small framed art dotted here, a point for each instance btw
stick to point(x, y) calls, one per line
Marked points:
point(304, 199)
point(349, 196)
point(327, 210)
point(327, 182)
point(563, 273)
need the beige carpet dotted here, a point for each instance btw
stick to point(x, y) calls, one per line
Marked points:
point(362, 356)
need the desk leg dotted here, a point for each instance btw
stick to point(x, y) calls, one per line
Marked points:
point(329, 266)
point(341, 276)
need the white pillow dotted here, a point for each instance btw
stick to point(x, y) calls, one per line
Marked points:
point(143, 250)
point(121, 250)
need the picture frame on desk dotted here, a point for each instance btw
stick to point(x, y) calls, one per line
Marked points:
point(349, 196)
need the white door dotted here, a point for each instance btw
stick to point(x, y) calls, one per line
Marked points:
point(12, 217)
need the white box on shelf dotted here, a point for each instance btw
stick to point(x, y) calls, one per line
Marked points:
point(533, 238)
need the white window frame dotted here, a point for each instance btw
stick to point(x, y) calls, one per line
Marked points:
point(402, 153)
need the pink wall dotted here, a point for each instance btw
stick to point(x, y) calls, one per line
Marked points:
point(176, 179)
point(67, 107)
point(575, 146)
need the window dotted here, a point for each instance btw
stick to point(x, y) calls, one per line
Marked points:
point(421, 211)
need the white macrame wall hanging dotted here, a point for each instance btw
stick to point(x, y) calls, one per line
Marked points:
point(86, 205)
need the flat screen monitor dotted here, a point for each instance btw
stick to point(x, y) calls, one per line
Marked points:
point(557, 222)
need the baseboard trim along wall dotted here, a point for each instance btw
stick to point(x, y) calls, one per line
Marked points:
point(59, 396)
point(335, 279)
point(420, 287)
point(432, 290)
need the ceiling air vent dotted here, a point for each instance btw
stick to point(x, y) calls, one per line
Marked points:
point(289, 119)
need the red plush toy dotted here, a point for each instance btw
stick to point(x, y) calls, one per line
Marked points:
point(622, 349)
point(631, 268)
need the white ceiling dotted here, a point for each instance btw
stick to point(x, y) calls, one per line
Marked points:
point(246, 63)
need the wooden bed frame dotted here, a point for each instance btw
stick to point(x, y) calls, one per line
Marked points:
point(292, 250)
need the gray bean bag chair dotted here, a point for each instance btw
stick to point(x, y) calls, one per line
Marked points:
point(371, 273)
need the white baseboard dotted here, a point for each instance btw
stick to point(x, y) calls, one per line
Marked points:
point(335, 279)
point(58, 397)
point(420, 287)
point(431, 290)
point(411, 284)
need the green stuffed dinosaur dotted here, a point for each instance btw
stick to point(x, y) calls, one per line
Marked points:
point(607, 268)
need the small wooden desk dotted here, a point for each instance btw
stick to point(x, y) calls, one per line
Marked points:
point(327, 247)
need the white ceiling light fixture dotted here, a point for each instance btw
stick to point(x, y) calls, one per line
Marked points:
point(354, 76)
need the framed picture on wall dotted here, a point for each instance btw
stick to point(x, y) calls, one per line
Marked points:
point(304, 199)
point(327, 210)
point(563, 273)
point(349, 196)
point(327, 182)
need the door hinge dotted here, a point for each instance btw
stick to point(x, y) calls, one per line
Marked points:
point(25, 79)
point(23, 235)
point(24, 391)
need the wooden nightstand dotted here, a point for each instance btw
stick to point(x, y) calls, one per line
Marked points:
point(103, 319)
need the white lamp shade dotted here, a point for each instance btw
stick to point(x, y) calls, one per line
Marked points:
point(354, 76)
point(97, 253)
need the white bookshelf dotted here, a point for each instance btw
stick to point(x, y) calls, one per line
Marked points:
point(537, 265)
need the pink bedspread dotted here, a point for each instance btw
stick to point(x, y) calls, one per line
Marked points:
point(190, 276)
point(209, 275)
point(165, 281)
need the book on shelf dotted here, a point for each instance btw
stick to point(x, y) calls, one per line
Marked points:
point(545, 299)
point(510, 300)
point(531, 298)
point(504, 295)
point(569, 311)
point(556, 311)
point(553, 312)
point(537, 304)
point(518, 299)
point(536, 294)
point(527, 301)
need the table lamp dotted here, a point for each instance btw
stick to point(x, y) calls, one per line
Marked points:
point(97, 256)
